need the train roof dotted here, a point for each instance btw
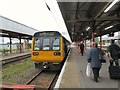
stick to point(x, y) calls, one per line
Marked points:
point(52, 33)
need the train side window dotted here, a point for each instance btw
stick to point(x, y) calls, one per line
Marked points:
point(37, 44)
point(56, 44)
point(46, 45)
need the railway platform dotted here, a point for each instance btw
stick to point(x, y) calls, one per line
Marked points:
point(13, 55)
point(73, 74)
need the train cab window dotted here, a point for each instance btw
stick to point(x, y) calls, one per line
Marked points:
point(37, 44)
point(56, 44)
point(46, 42)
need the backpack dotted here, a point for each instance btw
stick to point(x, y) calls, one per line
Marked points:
point(115, 51)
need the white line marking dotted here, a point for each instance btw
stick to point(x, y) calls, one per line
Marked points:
point(61, 74)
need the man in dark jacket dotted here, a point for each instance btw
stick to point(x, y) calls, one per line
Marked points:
point(82, 48)
point(113, 53)
point(93, 58)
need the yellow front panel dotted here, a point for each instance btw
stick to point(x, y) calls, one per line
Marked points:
point(48, 56)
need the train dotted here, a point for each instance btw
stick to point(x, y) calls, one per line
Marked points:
point(49, 49)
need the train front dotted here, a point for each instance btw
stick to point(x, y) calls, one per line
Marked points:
point(47, 50)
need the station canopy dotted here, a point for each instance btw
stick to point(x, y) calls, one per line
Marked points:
point(10, 28)
point(82, 17)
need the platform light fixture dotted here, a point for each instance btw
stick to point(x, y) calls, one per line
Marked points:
point(108, 27)
point(111, 5)
point(87, 28)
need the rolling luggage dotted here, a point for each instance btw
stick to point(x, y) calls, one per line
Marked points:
point(114, 72)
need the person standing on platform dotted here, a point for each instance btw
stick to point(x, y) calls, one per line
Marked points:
point(81, 48)
point(93, 58)
point(113, 53)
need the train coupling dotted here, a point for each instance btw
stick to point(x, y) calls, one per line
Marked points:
point(45, 65)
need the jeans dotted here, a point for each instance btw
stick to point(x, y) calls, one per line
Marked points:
point(96, 73)
point(82, 51)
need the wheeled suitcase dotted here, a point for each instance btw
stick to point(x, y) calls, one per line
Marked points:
point(114, 72)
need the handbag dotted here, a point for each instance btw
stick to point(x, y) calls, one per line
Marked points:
point(88, 70)
point(103, 60)
point(101, 57)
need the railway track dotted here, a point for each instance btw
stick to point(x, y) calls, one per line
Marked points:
point(14, 59)
point(27, 83)
point(43, 80)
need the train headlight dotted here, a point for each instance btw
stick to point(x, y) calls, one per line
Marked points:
point(57, 53)
point(35, 53)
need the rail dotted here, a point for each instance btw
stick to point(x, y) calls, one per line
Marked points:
point(13, 59)
point(44, 80)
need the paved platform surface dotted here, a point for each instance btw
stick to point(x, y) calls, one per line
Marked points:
point(74, 75)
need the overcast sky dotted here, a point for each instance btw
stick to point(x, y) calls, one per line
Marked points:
point(34, 13)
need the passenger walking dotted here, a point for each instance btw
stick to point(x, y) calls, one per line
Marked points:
point(81, 48)
point(95, 63)
point(113, 53)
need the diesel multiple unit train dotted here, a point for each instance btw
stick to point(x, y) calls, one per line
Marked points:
point(49, 49)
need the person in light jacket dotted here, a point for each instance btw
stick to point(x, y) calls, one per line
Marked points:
point(93, 58)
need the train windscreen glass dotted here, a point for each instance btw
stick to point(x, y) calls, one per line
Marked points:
point(56, 44)
point(37, 44)
point(46, 44)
